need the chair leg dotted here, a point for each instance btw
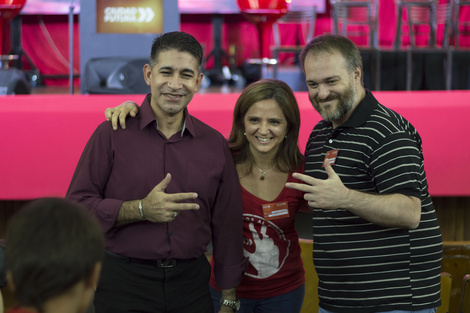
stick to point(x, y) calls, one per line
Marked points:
point(409, 68)
point(397, 43)
point(378, 63)
point(264, 69)
point(275, 65)
point(449, 69)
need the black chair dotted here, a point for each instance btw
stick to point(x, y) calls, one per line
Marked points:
point(460, 22)
point(304, 19)
point(460, 42)
point(358, 20)
point(424, 18)
point(115, 75)
point(12, 80)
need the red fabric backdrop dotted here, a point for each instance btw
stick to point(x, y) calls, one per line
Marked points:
point(45, 39)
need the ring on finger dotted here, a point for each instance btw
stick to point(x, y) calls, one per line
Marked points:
point(175, 214)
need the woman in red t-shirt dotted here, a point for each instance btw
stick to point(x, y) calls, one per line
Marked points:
point(263, 141)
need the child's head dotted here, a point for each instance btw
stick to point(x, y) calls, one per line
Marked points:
point(53, 246)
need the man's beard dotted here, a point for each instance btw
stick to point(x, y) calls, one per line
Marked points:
point(345, 103)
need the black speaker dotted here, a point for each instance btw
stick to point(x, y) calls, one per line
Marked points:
point(14, 82)
point(115, 75)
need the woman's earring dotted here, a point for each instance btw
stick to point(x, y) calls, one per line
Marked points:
point(285, 136)
point(244, 134)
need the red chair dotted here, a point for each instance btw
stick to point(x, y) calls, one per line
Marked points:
point(263, 13)
point(8, 10)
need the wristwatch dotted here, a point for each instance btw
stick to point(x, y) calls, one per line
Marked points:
point(233, 304)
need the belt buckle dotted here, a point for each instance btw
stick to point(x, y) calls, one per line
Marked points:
point(166, 263)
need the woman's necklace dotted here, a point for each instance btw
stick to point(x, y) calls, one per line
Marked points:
point(263, 173)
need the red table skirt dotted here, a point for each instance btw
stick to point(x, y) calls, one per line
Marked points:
point(44, 135)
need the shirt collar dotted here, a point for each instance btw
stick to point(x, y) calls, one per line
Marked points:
point(362, 112)
point(147, 117)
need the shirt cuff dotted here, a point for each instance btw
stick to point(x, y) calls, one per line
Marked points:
point(228, 277)
point(107, 213)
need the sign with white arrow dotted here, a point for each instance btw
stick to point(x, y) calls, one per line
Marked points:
point(129, 17)
point(146, 15)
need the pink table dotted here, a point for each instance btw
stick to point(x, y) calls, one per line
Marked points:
point(44, 135)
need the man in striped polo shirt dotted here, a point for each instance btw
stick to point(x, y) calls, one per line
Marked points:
point(377, 243)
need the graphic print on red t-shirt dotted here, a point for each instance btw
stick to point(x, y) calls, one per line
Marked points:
point(266, 247)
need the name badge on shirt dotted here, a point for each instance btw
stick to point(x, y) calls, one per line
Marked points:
point(276, 210)
point(331, 155)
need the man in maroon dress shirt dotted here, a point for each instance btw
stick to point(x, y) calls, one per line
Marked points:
point(162, 190)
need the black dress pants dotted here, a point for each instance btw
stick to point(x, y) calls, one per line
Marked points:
point(128, 287)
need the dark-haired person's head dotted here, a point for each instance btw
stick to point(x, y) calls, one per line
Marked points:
point(333, 72)
point(332, 43)
point(173, 74)
point(54, 252)
point(289, 156)
point(179, 41)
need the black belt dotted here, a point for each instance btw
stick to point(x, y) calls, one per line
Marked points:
point(164, 263)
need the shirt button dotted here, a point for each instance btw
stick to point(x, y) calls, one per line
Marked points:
point(330, 141)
